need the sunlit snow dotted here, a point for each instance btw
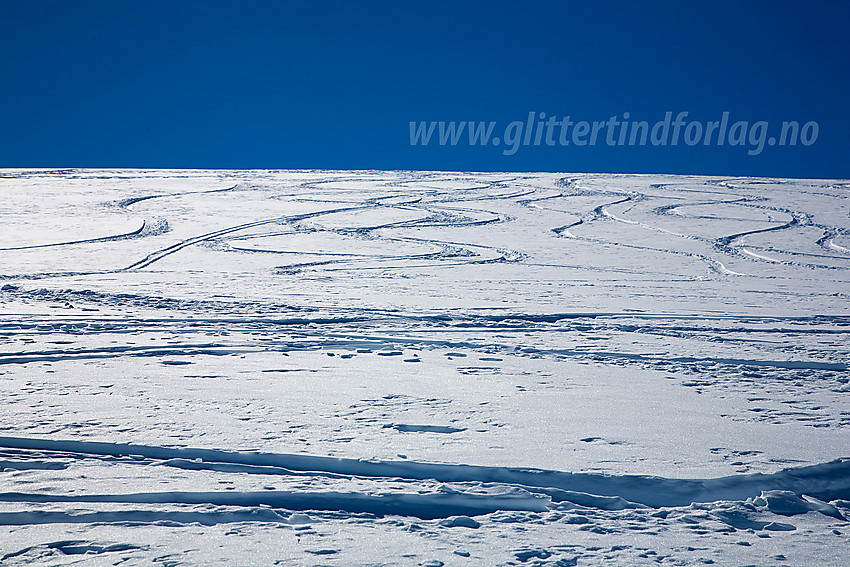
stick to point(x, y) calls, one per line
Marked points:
point(423, 368)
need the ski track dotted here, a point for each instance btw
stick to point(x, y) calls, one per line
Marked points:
point(139, 299)
point(828, 481)
point(136, 232)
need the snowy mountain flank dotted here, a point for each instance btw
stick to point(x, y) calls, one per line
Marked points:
point(261, 367)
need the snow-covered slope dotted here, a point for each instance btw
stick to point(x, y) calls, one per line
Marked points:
point(421, 368)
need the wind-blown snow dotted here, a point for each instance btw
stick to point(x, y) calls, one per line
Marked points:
point(420, 368)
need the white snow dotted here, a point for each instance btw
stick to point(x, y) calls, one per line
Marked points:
point(423, 368)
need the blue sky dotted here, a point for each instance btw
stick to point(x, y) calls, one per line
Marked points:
point(262, 84)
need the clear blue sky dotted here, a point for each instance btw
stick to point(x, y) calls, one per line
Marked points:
point(262, 84)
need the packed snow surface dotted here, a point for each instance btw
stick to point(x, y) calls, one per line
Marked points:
point(422, 368)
